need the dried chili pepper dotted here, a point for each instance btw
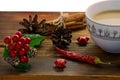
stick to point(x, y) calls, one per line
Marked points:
point(81, 57)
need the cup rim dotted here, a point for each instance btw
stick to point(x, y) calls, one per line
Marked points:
point(88, 17)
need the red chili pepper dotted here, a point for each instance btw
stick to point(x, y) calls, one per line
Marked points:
point(81, 57)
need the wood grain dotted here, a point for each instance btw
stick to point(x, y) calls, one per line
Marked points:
point(42, 65)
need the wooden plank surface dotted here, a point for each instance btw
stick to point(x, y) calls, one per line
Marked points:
point(42, 65)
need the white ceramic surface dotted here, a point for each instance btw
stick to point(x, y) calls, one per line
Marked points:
point(105, 36)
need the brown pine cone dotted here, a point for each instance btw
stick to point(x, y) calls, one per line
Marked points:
point(61, 37)
point(13, 61)
point(33, 26)
point(32, 53)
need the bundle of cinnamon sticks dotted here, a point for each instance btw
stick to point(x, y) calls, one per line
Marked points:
point(74, 21)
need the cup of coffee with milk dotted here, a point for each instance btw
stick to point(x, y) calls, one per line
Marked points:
point(103, 23)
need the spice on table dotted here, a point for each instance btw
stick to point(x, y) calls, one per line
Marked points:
point(81, 57)
point(60, 63)
point(82, 40)
point(74, 21)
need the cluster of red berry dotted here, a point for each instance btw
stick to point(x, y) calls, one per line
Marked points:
point(18, 46)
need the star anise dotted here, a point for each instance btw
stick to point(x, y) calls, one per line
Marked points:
point(33, 26)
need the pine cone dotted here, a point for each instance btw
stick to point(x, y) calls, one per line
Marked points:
point(13, 61)
point(61, 37)
point(31, 53)
point(33, 26)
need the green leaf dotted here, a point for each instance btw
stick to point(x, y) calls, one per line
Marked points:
point(6, 52)
point(22, 67)
point(36, 39)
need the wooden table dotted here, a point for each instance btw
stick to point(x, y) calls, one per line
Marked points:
point(43, 66)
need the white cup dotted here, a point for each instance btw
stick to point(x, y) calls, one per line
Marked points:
point(106, 36)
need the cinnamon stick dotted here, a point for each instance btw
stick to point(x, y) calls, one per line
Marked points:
point(76, 27)
point(74, 17)
point(72, 23)
point(71, 27)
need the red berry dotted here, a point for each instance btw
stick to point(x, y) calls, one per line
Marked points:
point(26, 47)
point(15, 38)
point(11, 46)
point(60, 63)
point(7, 39)
point(27, 40)
point(23, 40)
point(13, 53)
point(23, 59)
point(82, 40)
point(19, 34)
point(18, 45)
point(22, 52)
